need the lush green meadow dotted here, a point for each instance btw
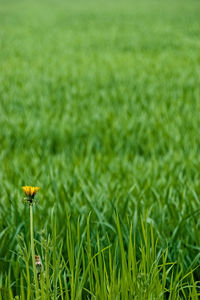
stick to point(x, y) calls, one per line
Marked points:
point(100, 108)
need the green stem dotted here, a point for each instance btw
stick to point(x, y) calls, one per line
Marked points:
point(33, 251)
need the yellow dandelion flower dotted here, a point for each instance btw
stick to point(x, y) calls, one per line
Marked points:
point(30, 191)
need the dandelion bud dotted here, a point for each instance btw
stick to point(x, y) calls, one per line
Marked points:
point(38, 265)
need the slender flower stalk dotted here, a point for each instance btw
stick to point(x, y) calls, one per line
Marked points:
point(30, 193)
point(33, 248)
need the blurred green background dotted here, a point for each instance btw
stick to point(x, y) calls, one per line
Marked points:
point(99, 106)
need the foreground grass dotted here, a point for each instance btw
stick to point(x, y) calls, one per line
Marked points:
point(99, 106)
point(87, 270)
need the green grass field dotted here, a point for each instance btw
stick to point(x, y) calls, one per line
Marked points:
point(100, 108)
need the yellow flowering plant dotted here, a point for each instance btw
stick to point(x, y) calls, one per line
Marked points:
point(30, 192)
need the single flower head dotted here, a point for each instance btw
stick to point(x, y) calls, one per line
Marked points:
point(30, 192)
